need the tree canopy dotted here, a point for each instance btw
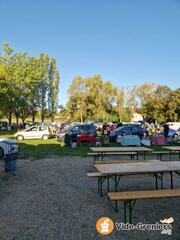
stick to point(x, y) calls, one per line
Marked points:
point(95, 99)
point(27, 85)
point(30, 84)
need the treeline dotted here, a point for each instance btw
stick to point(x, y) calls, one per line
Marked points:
point(94, 99)
point(28, 85)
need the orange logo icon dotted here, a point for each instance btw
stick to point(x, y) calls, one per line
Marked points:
point(104, 225)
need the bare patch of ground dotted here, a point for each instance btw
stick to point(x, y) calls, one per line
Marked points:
point(52, 198)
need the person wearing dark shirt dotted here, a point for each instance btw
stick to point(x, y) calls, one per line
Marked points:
point(166, 130)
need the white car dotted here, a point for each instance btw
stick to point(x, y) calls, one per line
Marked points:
point(174, 125)
point(8, 146)
point(35, 132)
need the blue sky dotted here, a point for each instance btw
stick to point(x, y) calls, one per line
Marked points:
point(126, 41)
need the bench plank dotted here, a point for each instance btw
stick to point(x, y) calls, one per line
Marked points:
point(165, 193)
point(160, 152)
point(123, 161)
point(113, 153)
point(93, 174)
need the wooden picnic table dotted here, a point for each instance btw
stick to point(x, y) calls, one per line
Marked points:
point(116, 171)
point(173, 149)
point(104, 150)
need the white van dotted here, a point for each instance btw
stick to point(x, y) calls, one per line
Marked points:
point(174, 125)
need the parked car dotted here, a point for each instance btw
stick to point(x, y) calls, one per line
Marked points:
point(174, 125)
point(128, 130)
point(173, 133)
point(72, 132)
point(8, 146)
point(34, 132)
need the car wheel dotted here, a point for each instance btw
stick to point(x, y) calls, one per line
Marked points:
point(20, 138)
point(45, 137)
point(175, 135)
point(1, 153)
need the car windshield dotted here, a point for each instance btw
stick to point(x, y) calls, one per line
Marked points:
point(32, 129)
point(43, 128)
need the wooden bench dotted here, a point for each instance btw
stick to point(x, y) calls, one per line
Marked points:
point(159, 154)
point(101, 178)
point(129, 198)
point(122, 161)
point(100, 155)
point(96, 175)
point(93, 174)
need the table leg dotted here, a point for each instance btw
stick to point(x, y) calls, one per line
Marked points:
point(171, 173)
point(116, 206)
point(107, 183)
point(170, 155)
point(101, 183)
point(161, 180)
point(156, 181)
point(115, 182)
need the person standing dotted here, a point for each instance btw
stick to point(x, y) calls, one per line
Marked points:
point(166, 130)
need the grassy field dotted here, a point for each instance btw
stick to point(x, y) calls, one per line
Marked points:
point(41, 148)
point(37, 149)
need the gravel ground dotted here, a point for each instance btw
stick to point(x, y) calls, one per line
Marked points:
point(53, 199)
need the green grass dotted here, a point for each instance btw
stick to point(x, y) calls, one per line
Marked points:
point(49, 148)
point(40, 148)
point(37, 149)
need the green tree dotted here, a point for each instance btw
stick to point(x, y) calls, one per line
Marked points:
point(94, 97)
point(27, 85)
point(8, 61)
point(54, 77)
point(120, 103)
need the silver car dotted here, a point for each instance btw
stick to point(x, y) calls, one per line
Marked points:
point(35, 132)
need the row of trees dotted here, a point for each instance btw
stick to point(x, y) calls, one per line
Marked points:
point(27, 85)
point(94, 99)
point(30, 84)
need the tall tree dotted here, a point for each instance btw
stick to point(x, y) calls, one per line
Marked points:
point(43, 84)
point(54, 77)
point(94, 98)
point(9, 64)
point(120, 103)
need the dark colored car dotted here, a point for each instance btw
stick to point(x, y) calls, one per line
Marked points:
point(127, 130)
point(71, 133)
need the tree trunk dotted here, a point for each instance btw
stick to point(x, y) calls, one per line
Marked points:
point(10, 119)
point(81, 118)
point(81, 113)
point(33, 116)
point(23, 121)
point(17, 120)
point(42, 116)
point(52, 118)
